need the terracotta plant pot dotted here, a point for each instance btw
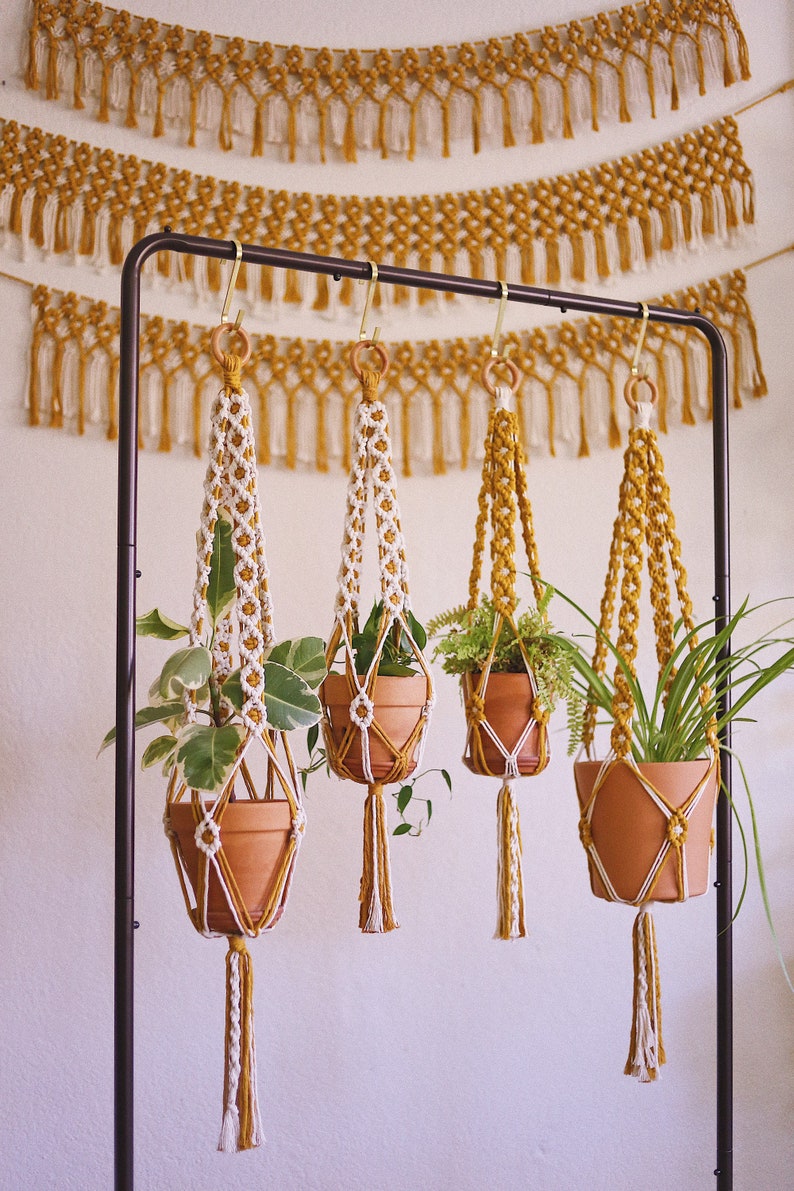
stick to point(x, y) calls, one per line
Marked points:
point(628, 828)
point(508, 709)
point(398, 704)
point(255, 837)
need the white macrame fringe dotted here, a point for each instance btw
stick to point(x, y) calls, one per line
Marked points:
point(646, 1050)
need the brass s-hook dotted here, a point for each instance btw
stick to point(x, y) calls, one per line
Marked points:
point(227, 301)
point(635, 363)
point(371, 284)
point(497, 333)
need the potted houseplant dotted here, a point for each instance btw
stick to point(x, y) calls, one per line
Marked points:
point(528, 668)
point(392, 712)
point(699, 692)
point(201, 752)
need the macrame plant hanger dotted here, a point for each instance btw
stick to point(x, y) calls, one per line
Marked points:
point(374, 725)
point(235, 857)
point(340, 268)
point(652, 838)
point(488, 749)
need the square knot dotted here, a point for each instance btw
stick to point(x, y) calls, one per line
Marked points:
point(475, 708)
point(208, 836)
point(540, 713)
point(362, 710)
point(585, 834)
point(677, 827)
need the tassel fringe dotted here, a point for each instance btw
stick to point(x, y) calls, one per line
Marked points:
point(376, 914)
point(435, 385)
point(646, 1049)
point(510, 922)
point(242, 1126)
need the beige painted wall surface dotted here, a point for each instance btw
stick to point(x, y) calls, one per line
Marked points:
point(434, 1058)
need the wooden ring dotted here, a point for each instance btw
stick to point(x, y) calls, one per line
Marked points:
point(630, 386)
point(512, 367)
point(237, 330)
point(361, 346)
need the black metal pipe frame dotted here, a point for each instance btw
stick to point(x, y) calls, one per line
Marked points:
point(125, 640)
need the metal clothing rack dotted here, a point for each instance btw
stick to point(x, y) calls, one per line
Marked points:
point(125, 636)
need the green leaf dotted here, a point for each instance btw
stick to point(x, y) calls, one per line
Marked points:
point(305, 656)
point(312, 736)
point(154, 624)
point(404, 796)
point(402, 829)
point(394, 669)
point(289, 701)
point(232, 689)
point(186, 670)
point(417, 630)
point(447, 779)
point(206, 754)
point(221, 590)
point(429, 810)
point(161, 714)
point(162, 748)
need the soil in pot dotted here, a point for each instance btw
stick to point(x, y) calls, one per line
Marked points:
point(508, 709)
point(628, 828)
point(398, 703)
point(255, 838)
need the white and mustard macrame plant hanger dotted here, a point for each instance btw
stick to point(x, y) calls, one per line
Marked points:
point(521, 747)
point(374, 725)
point(669, 806)
point(229, 889)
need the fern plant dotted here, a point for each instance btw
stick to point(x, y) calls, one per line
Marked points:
point(465, 636)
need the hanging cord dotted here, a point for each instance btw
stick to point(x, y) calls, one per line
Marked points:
point(644, 516)
point(503, 493)
point(228, 899)
point(368, 740)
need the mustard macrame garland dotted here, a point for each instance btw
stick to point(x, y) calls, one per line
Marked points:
point(325, 103)
point(366, 740)
point(304, 396)
point(204, 856)
point(503, 495)
point(65, 197)
point(680, 817)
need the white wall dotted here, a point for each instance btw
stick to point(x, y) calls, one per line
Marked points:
point(436, 1057)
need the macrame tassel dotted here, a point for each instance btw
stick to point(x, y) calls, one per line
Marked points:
point(376, 915)
point(322, 299)
point(510, 878)
point(242, 1127)
point(258, 141)
point(646, 1051)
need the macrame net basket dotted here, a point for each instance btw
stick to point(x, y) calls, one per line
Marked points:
point(506, 720)
point(235, 853)
point(374, 726)
point(646, 827)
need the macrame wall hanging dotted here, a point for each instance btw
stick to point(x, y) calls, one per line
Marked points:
point(506, 716)
point(69, 198)
point(304, 394)
point(376, 710)
point(235, 852)
point(646, 826)
point(331, 104)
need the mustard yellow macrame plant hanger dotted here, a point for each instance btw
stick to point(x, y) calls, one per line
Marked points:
point(673, 802)
point(226, 890)
point(374, 726)
point(503, 496)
